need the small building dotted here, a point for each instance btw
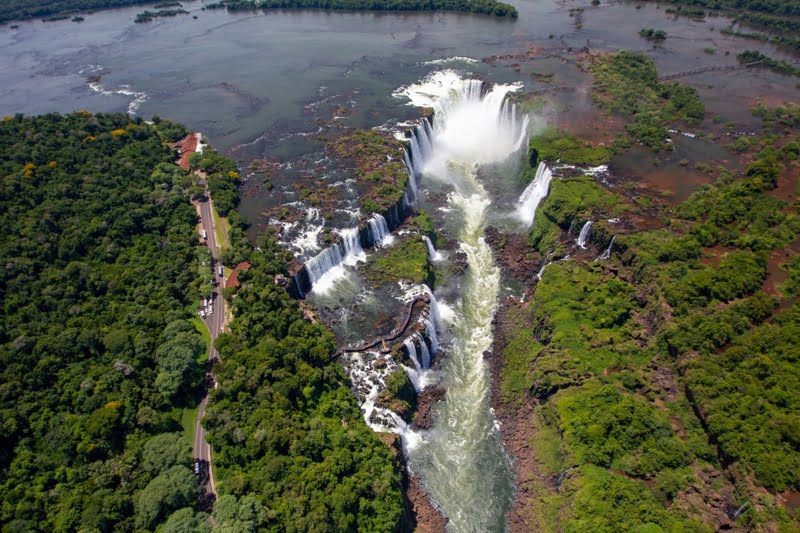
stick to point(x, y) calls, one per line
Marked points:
point(233, 279)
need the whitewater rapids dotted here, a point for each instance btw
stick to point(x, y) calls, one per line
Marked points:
point(461, 460)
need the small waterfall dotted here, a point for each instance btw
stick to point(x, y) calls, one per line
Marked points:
point(379, 231)
point(426, 354)
point(433, 255)
point(412, 351)
point(351, 242)
point(583, 238)
point(541, 270)
point(434, 306)
point(607, 253)
point(414, 376)
point(430, 331)
point(533, 194)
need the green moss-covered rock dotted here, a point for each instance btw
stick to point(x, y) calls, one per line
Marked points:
point(571, 202)
point(554, 145)
point(405, 260)
point(399, 395)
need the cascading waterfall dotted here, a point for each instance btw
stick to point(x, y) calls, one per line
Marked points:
point(461, 461)
point(533, 194)
point(379, 231)
point(433, 255)
point(607, 252)
point(583, 238)
point(430, 331)
point(426, 354)
point(327, 266)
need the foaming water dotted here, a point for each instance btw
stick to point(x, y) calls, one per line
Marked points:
point(461, 460)
point(533, 194)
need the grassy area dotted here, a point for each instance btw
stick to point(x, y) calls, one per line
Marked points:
point(219, 223)
point(571, 202)
point(627, 83)
point(405, 260)
point(518, 355)
point(555, 145)
point(203, 330)
point(189, 424)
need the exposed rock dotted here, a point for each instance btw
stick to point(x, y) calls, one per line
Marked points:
point(426, 401)
point(428, 518)
point(517, 259)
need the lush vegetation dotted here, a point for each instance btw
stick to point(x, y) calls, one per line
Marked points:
point(666, 371)
point(148, 16)
point(627, 83)
point(653, 35)
point(487, 7)
point(292, 450)
point(554, 145)
point(381, 183)
point(754, 56)
point(99, 361)
point(570, 203)
point(405, 260)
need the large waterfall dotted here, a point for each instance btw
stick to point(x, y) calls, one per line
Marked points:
point(461, 460)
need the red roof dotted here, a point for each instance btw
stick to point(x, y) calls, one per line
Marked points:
point(186, 147)
point(233, 279)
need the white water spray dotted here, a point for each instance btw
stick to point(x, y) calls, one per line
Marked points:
point(583, 238)
point(433, 255)
point(533, 194)
point(461, 460)
point(327, 267)
point(607, 252)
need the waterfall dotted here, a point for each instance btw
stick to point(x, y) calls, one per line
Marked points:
point(541, 270)
point(414, 377)
point(379, 231)
point(426, 354)
point(433, 255)
point(461, 461)
point(430, 331)
point(323, 262)
point(583, 238)
point(326, 267)
point(412, 351)
point(607, 252)
point(533, 194)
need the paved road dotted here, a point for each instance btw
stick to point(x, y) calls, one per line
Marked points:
point(216, 324)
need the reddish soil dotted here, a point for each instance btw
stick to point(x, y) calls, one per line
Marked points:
point(428, 517)
point(775, 274)
point(426, 402)
point(516, 258)
point(787, 185)
point(517, 430)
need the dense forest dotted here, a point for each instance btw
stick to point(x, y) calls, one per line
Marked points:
point(102, 363)
point(288, 437)
point(487, 7)
point(26, 9)
point(58, 9)
point(101, 360)
point(664, 379)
